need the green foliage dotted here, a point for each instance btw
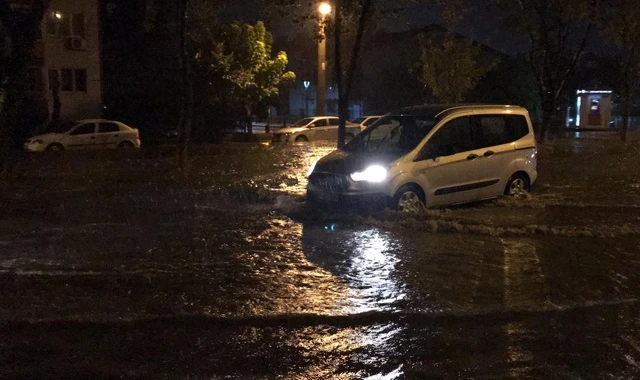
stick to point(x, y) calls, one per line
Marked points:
point(239, 58)
point(451, 68)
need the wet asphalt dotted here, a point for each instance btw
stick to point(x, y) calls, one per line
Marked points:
point(235, 277)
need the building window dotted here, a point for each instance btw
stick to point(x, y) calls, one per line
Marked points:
point(65, 26)
point(67, 80)
point(70, 26)
point(81, 80)
point(77, 24)
point(70, 79)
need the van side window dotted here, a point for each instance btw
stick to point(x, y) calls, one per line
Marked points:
point(494, 130)
point(456, 136)
point(501, 129)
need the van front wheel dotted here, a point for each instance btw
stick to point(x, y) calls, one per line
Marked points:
point(410, 198)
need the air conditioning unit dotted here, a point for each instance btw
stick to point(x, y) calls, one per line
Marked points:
point(75, 43)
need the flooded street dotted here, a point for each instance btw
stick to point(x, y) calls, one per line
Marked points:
point(129, 273)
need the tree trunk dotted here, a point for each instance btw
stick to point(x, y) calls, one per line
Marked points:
point(21, 33)
point(55, 115)
point(337, 42)
point(626, 112)
point(187, 119)
point(548, 110)
point(186, 100)
point(249, 122)
point(344, 84)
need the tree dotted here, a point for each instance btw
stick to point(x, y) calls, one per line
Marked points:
point(452, 68)
point(239, 60)
point(558, 31)
point(450, 65)
point(21, 28)
point(619, 22)
point(186, 85)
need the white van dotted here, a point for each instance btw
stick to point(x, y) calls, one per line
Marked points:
point(432, 155)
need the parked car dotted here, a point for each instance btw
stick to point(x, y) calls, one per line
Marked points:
point(365, 121)
point(313, 129)
point(87, 134)
point(432, 156)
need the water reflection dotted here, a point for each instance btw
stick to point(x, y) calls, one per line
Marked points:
point(365, 260)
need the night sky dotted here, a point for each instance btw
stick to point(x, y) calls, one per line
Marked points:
point(482, 22)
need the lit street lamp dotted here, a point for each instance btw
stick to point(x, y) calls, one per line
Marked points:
point(324, 8)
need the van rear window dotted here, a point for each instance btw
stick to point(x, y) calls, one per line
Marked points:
point(502, 129)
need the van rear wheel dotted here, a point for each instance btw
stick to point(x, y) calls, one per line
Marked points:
point(409, 198)
point(126, 145)
point(518, 186)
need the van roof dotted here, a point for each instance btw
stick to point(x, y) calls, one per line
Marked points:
point(442, 110)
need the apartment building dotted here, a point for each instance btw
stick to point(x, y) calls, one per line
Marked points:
point(67, 59)
point(72, 58)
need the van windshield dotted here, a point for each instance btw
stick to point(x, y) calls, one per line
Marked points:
point(394, 134)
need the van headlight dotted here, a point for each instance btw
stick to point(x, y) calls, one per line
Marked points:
point(374, 173)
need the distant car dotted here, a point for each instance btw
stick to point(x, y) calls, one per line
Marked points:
point(314, 129)
point(87, 134)
point(365, 121)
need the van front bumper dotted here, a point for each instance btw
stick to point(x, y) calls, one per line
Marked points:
point(348, 200)
point(339, 189)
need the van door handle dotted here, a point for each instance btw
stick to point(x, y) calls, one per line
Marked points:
point(472, 156)
point(489, 153)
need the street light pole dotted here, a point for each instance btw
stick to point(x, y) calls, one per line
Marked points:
point(324, 9)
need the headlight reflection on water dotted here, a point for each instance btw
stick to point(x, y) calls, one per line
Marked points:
point(371, 273)
point(363, 262)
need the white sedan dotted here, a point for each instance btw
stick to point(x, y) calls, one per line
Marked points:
point(365, 121)
point(87, 134)
point(313, 129)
